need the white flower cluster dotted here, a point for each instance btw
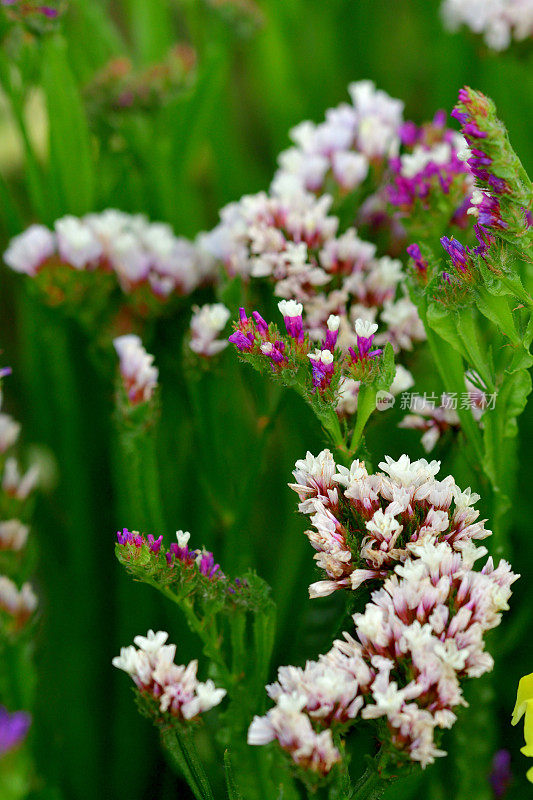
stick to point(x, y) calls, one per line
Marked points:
point(418, 638)
point(292, 240)
point(343, 147)
point(136, 250)
point(500, 21)
point(136, 367)
point(364, 525)
point(176, 688)
point(207, 323)
point(20, 605)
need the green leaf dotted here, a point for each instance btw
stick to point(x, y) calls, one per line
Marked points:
point(71, 166)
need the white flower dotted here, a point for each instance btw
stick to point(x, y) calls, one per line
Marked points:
point(76, 242)
point(136, 366)
point(183, 538)
point(9, 432)
point(177, 688)
point(206, 323)
point(364, 328)
point(30, 249)
point(13, 534)
point(290, 308)
point(152, 642)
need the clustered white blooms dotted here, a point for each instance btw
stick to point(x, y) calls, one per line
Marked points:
point(364, 524)
point(138, 251)
point(419, 636)
point(207, 323)
point(176, 688)
point(292, 239)
point(341, 150)
point(19, 604)
point(500, 21)
point(136, 367)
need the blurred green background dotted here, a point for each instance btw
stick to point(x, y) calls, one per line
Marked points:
point(260, 69)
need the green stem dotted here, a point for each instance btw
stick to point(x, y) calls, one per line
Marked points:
point(182, 749)
point(370, 786)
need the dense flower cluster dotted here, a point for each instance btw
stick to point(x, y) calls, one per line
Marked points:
point(418, 638)
point(176, 688)
point(138, 252)
point(207, 323)
point(202, 560)
point(136, 368)
point(500, 202)
point(429, 171)
point(13, 729)
point(327, 368)
point(365, 524)
point(500, 21)
point(337, 154)
point(292, 240)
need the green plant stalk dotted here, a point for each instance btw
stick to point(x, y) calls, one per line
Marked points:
point(182, 749)
point(50, 361)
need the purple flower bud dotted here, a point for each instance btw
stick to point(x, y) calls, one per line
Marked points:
point(13, 729)
point(241, 341)
point(262, 327)
point(472, 129)
point(155, 544)
point(501, 775)
point(458, 253)
point(242, 316)
point(5, 371)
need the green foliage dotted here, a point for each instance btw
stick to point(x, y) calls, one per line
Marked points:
point(180, 162)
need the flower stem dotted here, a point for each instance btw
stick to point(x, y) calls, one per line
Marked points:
point(370, 786)
point(180, 744)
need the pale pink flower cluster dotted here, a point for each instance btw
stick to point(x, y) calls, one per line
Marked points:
point(176, 688)
point(500, 21)
point(138, 251)
point(207, 323)
point(292, 240)
point(136, 367)
point(417, 640)
point(354, 138)
point(364, 524)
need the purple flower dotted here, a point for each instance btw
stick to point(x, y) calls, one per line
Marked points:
point(261, 324)
point(501, 775)
point(242, 341)
point(459, 254)
point(5, 371)
point(13, 729)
